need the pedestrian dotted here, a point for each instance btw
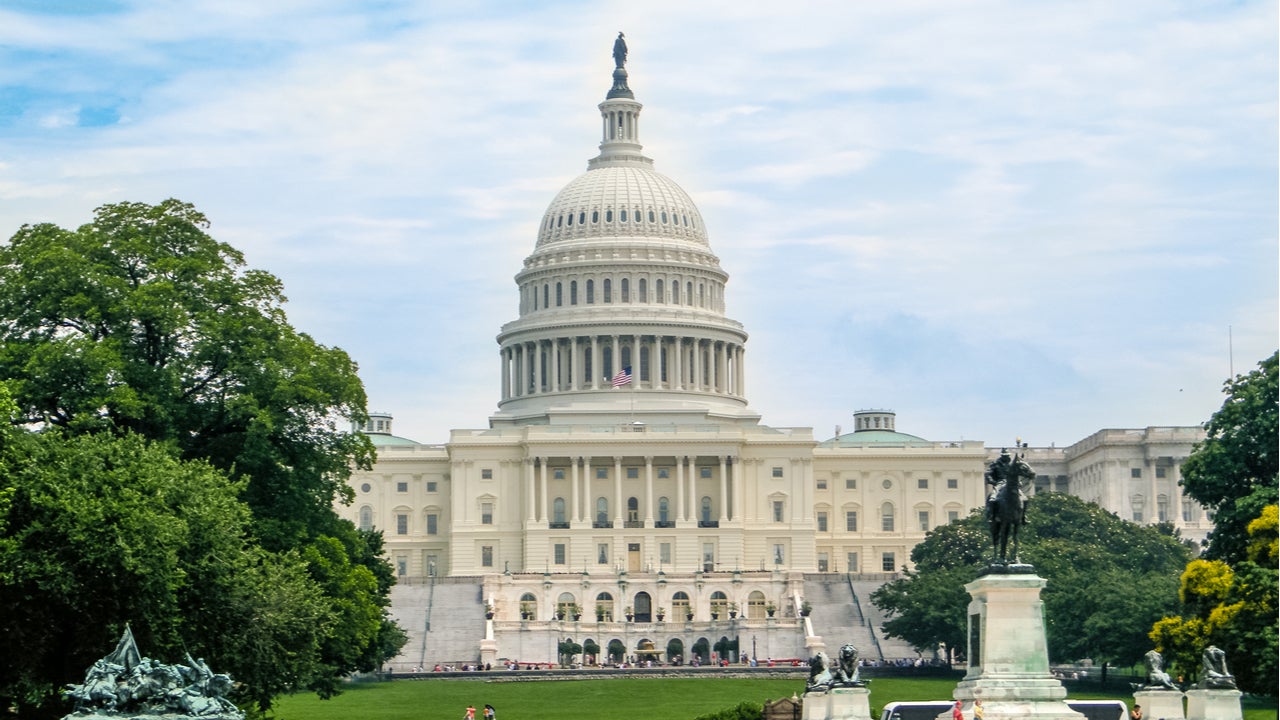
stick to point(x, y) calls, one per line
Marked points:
point(470, 714)
point(977, 709)
point(490, 713)
point(1136, 712)
point(955, 712)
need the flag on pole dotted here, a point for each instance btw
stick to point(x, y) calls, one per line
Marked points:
point(623, 377)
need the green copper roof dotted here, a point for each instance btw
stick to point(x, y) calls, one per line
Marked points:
point(384, 440)
point(875, 437)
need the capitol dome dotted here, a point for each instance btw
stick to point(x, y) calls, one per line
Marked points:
point(622, 293)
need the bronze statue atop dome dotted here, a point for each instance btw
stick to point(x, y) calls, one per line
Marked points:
point(620, 51)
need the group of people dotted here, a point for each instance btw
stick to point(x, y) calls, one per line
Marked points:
point(956, 714)
point(489, 713)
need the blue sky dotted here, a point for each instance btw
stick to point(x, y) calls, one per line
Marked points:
point(997, 218)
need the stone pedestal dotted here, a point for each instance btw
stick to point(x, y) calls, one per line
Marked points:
point(1213, 705)
point(841, 703)
point(1159, 704)
point(1008, 653)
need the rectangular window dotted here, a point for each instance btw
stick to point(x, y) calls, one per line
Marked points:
point(486, 513)
point(402, 566)
point(887, 562)
point(1137, 515)
point(823, 563)
point(558, 473)
point(886, 521)
point(433, 521)
point(633, 473)
point(402, 487)
point(953, 515)
point(822, 522)
point(851, 521)
point(851, 483)
point(1160, 472)
point(559, 554)
point(431, 486)
point(704, 472)
point(708, 557)
point(822, 483)
point(924, 519)
point(1162, 511)
point(486, 556)
point(777, 472)
point(602, 473)
point(402, 524)
point(602, 554)
point(486, 474)
point(852, 559)
point(777, 511)
point(922, 483)
point(664, 553)
point(1135, 472)
point(664, 473)
point(779, 554)
point(953, 484)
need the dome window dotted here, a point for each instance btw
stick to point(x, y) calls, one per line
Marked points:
point(570, 219)
point(685, 219)
point(559, 295)
point(560, 221)
point(658, 292)
point(595, 216)
point(591, 291)
point(622, 215)
point(582, 218)
point(608, 216)
point(651, 217)
point(573, 292)
point(608, 290)
point(664, 217)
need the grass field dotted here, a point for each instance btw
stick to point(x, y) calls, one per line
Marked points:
point(607, 699)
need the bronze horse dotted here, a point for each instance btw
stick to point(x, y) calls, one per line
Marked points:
point(1007, 510)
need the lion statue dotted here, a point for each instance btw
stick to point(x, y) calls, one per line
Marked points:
point(846, 672)
point(819, 674)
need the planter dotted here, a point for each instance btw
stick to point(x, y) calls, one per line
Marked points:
point(661, 617)
point(689, 617)
point(599, 617)
point(715, 616)
point(770, 612)
point(559, 616)
point(488, 616)
point(629, 616)
point(733, 614)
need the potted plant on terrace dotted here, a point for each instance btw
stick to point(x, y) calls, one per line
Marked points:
point(770, 608)
point(733, 609)
point(526, 610)
point(488, 611)
point(662, 613)
point(805, 608)
point(575, 611)
point(629, 613)
point(600, 612)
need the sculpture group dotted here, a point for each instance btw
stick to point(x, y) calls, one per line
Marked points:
point(1006, 508)
point(126, 684)
point(823, 676)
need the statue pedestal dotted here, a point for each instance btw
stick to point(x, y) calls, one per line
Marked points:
point(1159, 704)
point(1213, 705)
point(841, 703)
point(1008, 654)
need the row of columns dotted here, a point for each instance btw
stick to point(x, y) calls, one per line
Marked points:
point(572, 364)
point(537, 479)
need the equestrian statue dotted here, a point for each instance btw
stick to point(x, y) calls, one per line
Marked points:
point(1010, 478)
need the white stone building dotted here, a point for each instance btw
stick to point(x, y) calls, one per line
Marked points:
point(624, 472)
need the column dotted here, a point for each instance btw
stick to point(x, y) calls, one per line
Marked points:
point(697, 364)
point(724, 491)
point(678, 361)
point(617, 492)
point(586, 491)
point(553, 377)
point(680, 488)
point(506, 372)
point(543, 489)
point(1152, 516)
point(574, 364)
point(522, 370)
point(693, 489)
point(735, 487)
point(595, 361)
point(537, 367)
point(530, 493)
point(648, 491)
point(575, 513)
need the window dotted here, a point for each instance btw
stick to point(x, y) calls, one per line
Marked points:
point(633, 473)
point(608, 290)
point(558, 473)
point(1162, 509)
point(402, 487)
point(924, 519)
point(664, 553)
point(366, 518)
point(602, 511)
point(822, 522)
point(822, 483)
point(852, 560)
point(573, 292)
point(1137, 514)
point(558, 553)
point(1160, 472)
point(433, 524)
point(602, 473)
point(591, 291)
point(432, 486)
point(664, 473)
point(952, 516)
point(365, 487)
point(779, 554)
point(851, 520)
point(486, 513)
point(922, 483)
point(643, 287)
point(557, 510)
point(602, 554)
point(559, 294)
point(1135, 472)
point(777, 472)
point(708, 557)
point(886, 517)
point(777, 511)
point(626, 286)
point(887, 562)
point(402, 566)
point(850, 483)
point(402, 524)
point(953, 484)
point(633, 510)
point(486, 474)
point(664, 510)
point(887, 484)
point(704, 472)
point(823, 562)
point(704, 508)
point(486, 556)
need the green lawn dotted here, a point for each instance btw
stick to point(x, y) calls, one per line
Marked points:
point(593, 699)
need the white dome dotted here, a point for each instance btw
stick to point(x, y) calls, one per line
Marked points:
point(622, 201)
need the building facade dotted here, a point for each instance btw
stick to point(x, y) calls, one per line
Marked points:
point(624, 473)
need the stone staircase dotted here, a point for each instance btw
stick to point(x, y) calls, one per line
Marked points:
point(836, 617)
point(890, 648)
point(444, 618)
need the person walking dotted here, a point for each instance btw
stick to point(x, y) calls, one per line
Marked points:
point(470, 714)
point(490, 713)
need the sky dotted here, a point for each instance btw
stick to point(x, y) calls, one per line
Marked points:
point(997, 218)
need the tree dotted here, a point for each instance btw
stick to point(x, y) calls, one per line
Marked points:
point(568, 651)
point(1108, 580)
point(1233, 472)
point(140, 322)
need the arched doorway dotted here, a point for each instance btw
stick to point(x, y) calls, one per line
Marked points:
point(643, 607)
point(617, 651)
point(675, 651)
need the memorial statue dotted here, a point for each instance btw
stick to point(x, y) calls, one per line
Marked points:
point(620, 51)
point(819, 674)
point(846, 671)
point(124, 682)
point(1213, 671)
point(1157, 678)
point(1006, 508)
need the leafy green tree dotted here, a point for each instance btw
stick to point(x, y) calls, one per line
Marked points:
point(1108, 580)
point(1233, 472)
point(140, 322)
point(568, 651)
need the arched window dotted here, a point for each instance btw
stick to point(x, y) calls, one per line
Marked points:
point(595, 216)
point(719, 602)
point(573, 292)
point(704, 510)
point(658, 292)
point(622, 215)
point(546, 295)
point(528, 606)
point(559, 294)
point(557, 510)
point(755, 605)
point(644, 290)
point(604, 607)
point(680, 605)
point(886, 517)
point(582, 218)
point(664, 509)
point(564, 605)
point(633, 510)
point(626, 290)
point(366, 518)
point(688, 293)
point(608, 290)
point(608, 216)
point(591, 291)
point(602, 512)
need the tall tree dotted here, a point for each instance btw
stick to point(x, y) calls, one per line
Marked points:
point(1109, 579)
point(140, 322)
point(1233, 472)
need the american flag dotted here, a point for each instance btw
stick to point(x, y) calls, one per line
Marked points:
point(623, 377)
